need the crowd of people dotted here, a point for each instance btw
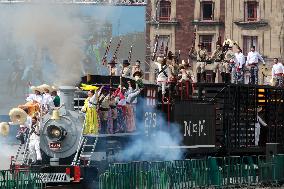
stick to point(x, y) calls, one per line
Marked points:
point(111, 110)
point(227, 60)
point(42, 100)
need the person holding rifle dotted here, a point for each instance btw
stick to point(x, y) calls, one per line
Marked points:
point(217, 58)
point(201, 56)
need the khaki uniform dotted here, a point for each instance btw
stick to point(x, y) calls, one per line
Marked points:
point(126, 71)
point(112, 71)
point(229, 57)
point(201, 57)
point(217, 57)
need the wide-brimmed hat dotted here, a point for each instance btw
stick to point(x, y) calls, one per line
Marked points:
point(45, 87)
point(18, 116)
point(4, 128)
point(137, 73)
point(54, 88)
point(34, 88)
point(112, 62)
point(126, 62)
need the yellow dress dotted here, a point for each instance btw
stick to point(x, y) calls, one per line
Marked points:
point(91, 119)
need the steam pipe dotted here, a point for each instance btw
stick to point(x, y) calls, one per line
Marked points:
point(67, 96)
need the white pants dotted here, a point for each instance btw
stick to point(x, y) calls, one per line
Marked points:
point(256, 133)
point(163, 84)
point(35, 149)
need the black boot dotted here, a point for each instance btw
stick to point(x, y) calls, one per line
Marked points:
point(198, 77)
point(204, 77)
point(228, 78)
point(214, 77)
point(223, 77)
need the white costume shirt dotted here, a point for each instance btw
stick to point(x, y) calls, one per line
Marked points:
point(34, 136)
point(240, 60)
point(253, 58)
point(47, 99)
point(126, 71)
point(131, 95)
point(93, 101)
point(34, 97)
point(162, 76)
point(277, 69)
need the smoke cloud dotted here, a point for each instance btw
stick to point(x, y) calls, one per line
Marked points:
point(158, 144)
point(46, 32)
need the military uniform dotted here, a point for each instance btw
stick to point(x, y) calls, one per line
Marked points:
point(201, 57)
point(126, 69)
point(218, 65)
point(104, 106)
point(228, 65)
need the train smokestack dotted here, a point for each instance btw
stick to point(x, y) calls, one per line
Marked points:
point(67, 96)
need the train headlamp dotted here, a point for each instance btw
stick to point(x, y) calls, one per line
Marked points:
point(56, 133)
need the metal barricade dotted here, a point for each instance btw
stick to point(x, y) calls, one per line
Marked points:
point(20, 179)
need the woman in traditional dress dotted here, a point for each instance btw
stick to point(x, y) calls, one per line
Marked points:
point(91, 118)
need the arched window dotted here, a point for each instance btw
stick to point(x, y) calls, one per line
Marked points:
point(165, 10)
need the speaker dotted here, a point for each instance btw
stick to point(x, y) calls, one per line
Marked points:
point(272, 149)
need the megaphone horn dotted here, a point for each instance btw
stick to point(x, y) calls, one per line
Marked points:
point(4, 128)
point(18, 116)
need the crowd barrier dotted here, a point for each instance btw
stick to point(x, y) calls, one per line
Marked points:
point(20, 179)
point(212, 172)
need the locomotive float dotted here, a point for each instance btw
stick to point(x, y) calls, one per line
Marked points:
point(213, 119)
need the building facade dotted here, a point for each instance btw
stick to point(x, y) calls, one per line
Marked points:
point(249, 22)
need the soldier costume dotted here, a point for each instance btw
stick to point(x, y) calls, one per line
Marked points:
point(201, 56)
point(217, 57)
point(126, 70)
point(112, 68)
point(229, 64)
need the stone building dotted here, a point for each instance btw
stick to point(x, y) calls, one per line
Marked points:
point(249, 22)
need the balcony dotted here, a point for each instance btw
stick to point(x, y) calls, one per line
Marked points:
point(251, 24)
point(163, 21)
point(208, 23)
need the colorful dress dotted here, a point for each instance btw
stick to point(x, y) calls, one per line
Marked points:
point(91, 118)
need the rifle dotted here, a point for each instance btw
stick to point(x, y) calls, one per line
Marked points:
point(130, 54)
point(155, 48)
point(104, 59)
point(167, 47)
point(116, 51)
point(193, 42)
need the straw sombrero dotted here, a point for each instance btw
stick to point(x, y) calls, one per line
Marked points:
point(34, 88)
point(4, 128)
point(45, 86)
point(18, 116)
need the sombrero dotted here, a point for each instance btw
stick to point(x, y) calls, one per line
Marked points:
point(54, 88)
point(4, 128)
point(18, 116)
point(34, 88)
point(45, 87)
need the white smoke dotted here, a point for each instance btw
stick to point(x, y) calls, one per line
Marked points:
point(41, 29)
point(159, 144)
